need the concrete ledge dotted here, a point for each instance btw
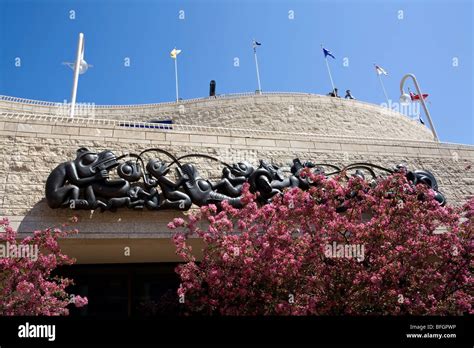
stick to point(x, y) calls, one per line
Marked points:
point(327, 146)
point(260, 142)
point(179, 137)
point(302, 144)
point(135, 141)
point(354, 147)
point(83, 137)
point(33, 128)
point(31, 135)
point(230, 140)
point(155, 136)
point(203, 139)
point(96, 131)
point(128, 134)
point(10, 126)
point(73, 130)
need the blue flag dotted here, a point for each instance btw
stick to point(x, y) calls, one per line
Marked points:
point(327, 53)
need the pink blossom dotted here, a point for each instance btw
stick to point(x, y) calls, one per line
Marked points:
point(281, 251)
point(27, 286)
point(80, 301)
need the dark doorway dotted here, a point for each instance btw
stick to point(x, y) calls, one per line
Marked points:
point(124, 290)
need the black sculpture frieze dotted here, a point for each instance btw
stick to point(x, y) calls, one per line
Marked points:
point(103, 180)
point(87, 171)
point(172, 197)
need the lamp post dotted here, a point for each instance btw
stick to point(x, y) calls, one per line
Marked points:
point(405, 98)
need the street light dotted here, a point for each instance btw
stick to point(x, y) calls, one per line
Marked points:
point(405, 99)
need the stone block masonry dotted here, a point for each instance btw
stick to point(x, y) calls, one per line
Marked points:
point(306, 113)
point(28, 157)
point(232, 129)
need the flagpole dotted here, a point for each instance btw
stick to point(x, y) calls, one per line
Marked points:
point(383, 89)
point(256, 67)
point(329, 72)
point(176, 77)
point(77, 65)
point(330, 76)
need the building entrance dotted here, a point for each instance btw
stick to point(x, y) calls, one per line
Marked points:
point(124, 290)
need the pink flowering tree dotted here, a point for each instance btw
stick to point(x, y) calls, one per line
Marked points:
point(27, 286)
point(392, 249)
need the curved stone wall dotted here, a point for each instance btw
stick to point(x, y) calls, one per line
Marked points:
point(30, 149)
point(306, 113)
point(31, 145)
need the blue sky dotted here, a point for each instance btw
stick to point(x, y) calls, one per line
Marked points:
point(428, 41)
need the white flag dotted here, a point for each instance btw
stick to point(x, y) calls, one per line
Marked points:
point(174, 53)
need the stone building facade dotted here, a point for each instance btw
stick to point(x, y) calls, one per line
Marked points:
point(37, 136)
